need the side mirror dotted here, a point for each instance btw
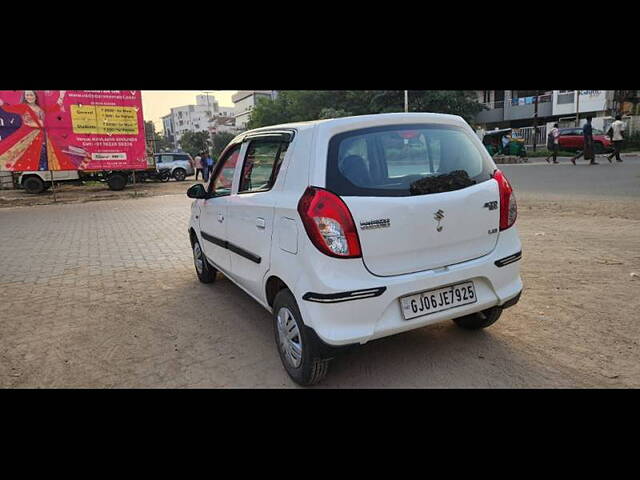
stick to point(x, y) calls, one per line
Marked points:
point(198, 191)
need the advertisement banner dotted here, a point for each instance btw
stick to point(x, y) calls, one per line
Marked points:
point(71, 130)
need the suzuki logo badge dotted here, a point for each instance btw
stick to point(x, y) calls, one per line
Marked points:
point(439, 215)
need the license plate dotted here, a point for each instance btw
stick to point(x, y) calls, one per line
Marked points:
point(437, 300)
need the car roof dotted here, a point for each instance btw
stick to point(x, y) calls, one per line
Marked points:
point(359, 119)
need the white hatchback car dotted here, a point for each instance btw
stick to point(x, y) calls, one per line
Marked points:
point(353, 229)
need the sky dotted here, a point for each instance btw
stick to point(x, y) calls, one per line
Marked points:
point(158, 103)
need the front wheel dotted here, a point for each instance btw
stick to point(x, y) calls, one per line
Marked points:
point(479, 320)
point(299, 348)
point(206, 273)
point(33, 185)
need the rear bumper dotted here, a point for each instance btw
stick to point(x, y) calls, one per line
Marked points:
point(370, 307)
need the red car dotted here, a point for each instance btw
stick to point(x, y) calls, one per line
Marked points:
point(571, 139)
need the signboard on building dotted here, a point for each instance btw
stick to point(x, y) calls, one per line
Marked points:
point(71, 130)
point(564, 102)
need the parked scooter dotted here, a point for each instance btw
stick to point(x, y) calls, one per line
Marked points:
point(162, 175)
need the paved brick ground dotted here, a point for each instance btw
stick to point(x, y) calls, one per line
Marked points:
point(104, 294)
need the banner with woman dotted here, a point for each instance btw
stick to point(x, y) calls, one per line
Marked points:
point(71, 130)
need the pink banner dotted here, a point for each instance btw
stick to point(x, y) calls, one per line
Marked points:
point(71, 130)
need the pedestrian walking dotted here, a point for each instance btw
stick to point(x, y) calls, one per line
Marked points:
point(197, 163)
point(207, 165)
point(616, 133)
point(553, 143)
point(588, 151)
point(505, 144)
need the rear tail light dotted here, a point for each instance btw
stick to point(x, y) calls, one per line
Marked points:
point(508, 204)
point(329, 223)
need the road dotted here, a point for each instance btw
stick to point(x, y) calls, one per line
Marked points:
point(603, 180)
point(103, 294)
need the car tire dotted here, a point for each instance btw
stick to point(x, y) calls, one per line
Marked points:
point(301, 351)
point(165, 176)
point(33, 185)
point(205, 272)
point(179, 174)
point(479, 320)
point(117, 182)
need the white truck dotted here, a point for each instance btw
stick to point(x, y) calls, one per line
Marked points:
point(162, 166)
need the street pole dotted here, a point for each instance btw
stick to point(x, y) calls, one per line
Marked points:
point(406, 100)
point(208, 131)
point(578, 109)
point(535, 123)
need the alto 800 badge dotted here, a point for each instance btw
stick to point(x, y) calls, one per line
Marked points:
point(379, 223)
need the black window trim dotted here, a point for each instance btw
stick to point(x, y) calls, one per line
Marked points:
point(335, 181)
point(282, 138)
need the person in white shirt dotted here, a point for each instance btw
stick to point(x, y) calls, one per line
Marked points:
point(198, 166)
point(554, 147)
point(617, 136)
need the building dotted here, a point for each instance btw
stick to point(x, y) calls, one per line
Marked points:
point(194, 118)
point(517, 109)
point(168, 128)
point(244, 101)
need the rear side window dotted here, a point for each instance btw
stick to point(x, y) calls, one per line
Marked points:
point(388, 161)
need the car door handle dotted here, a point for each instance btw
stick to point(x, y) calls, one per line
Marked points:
point(260, 223)
point(220, 218)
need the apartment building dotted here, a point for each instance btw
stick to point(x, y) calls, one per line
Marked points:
point(244, 101)
point(517, 108)
point(200, 117)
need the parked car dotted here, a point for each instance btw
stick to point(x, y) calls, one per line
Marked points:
point(180, 164)
point(352, 229)
point(572, 139)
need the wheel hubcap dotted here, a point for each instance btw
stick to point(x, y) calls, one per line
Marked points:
point(289, 338)
point(197, 258)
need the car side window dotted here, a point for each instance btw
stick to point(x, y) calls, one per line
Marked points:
point(262, 165)
point(223, 179)
point(166, 158)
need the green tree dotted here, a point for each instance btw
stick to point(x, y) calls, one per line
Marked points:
point(155, 141)
point(298, 106)
point(220, 141)
point(195, 142)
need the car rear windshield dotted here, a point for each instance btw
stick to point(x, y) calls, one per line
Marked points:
point(404, 160)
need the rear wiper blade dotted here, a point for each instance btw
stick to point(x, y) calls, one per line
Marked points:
point(456, 180)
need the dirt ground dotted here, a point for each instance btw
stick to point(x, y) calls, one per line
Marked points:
point(122, 314)
point(581, 271)
point(90, 193)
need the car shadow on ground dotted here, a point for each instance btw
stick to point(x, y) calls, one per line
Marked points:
point(437, 356)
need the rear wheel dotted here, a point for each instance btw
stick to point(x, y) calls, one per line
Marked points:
point(179, 174)
point(117, 182)
point(479, 320)
point(33, 185)
point(301, 351)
